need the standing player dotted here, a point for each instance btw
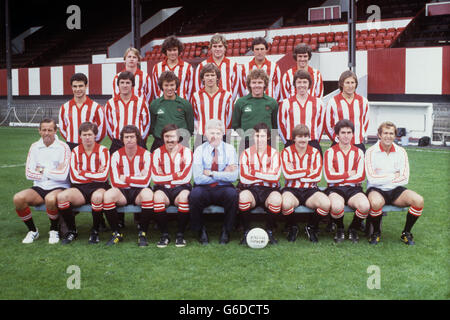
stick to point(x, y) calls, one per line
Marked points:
point(211, 101)
point(78, 110)
point(143, 87)
point(302, 170)
point(257, 106)
point(348, 105)
point(344, 173)
point(169, 109)
point(301, 108)
point(172, 49)
point(302, 54)
point(48, 167)
point(230, 71)
point(126, 109)
point(171, 174)
point(89, 168)
point(215, 168)
point(387, 169)
point(260, 62)
point(130, 178)
point(259, 173)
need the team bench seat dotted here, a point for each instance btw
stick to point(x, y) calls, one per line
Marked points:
point(212, 209)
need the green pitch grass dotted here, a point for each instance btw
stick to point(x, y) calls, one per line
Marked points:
point(299, 270)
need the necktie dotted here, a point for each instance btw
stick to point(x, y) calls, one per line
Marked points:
point(215, 165)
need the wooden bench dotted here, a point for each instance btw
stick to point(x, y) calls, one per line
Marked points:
point(212, 209)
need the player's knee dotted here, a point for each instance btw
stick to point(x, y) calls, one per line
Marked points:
point(158, 197)
point(147, 194)
point(336, 207)
point(418, 201)
point(109, 196)
point(97, 197)
point(376, 203)
point(62, 197)
point(19, 199)
point(364, 207)
point(51, 200)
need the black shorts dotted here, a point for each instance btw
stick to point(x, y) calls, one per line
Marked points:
point(131, 194)
point(260, 193)
point(172, 193)
point(302, 194)
point(87, 189)
point(43, 193)
point(345, 192)
point(389, 195)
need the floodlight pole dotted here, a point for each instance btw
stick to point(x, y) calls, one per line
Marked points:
point(8, 57)
point(351, 18)
point(136, 23)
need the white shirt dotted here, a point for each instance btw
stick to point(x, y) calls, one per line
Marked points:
point(381, 167)
point(50, 159)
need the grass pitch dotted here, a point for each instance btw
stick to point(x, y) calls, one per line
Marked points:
point(291, 271)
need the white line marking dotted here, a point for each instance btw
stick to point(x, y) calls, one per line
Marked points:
point(12, 165)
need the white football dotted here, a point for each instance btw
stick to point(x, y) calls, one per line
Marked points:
point(257, 238)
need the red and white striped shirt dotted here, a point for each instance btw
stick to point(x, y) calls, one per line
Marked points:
point(137, 171)
point(306, 170)
point(230, 75)
point(119, 114)
point(272, 70)
point(85, 168)
point(260, 170)
point(357, 112)
point(183, 70)
point(71, 117)
point(288, 88)
point(337, 164)
point(292, 113)
point(206, 107)
point(142, 85)
point(173, 171)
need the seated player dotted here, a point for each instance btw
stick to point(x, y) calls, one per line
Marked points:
point(260, 170)
point(89, 168)
point(344, 173)
point(130, 178)
point(302, 170)
point(48, 167)
point(215, 168)
point(387, 170)
point(171, 174)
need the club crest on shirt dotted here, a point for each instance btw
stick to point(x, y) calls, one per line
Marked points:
point(179, 109)
point(160, 111)
point(267, 107)
point(248, 109)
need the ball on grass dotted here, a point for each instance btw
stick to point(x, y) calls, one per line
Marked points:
point(257, 238)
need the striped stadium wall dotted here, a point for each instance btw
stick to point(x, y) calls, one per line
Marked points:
point(390, 71)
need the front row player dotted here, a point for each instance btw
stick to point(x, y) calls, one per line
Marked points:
point(344, 173)
point(89, 168)
point(302, 169)
point(387, 169)
point(130, 177)
point(171, 174)
point(47, 166)
point(260, 171)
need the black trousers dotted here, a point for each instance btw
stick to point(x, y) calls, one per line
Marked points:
point(203, 196)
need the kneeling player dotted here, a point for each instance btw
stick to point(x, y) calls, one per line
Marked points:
point(260, 171)
point(387, 171)
point(89, 168)
point(171, 173)
point(344, 172)
point(130, 178)
point(47, 166)
point(302, 169)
